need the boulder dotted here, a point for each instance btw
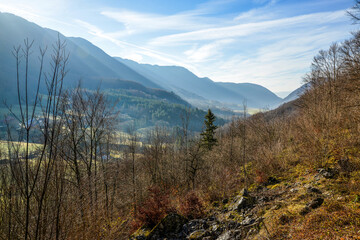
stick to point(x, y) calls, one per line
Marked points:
point(243, 201)
point(170, 226)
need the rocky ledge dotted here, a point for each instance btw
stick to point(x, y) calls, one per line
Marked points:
point(241, 217)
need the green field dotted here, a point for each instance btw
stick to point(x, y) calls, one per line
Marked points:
point(21, 145)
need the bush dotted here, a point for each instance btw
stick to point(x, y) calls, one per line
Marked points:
point(192, 206)
point(154, 208)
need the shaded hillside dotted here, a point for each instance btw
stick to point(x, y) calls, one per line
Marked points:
point(136, 89)
point(193, 88)
point(153, 107)
point(145, 112)
point(296, 93)
point(86, 62)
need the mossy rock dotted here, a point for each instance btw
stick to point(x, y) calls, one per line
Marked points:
point(141, 233)
point(199, 234)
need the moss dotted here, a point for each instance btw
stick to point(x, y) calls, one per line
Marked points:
point(226, 206)
point(235, 216)
point(274, 186)
point(197, 235)
point(253, 187)
point(142, 231)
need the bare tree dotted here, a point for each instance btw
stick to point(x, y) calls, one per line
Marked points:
point(354, 13)
point(133, 149)
point(243, 142)
point(32, 176)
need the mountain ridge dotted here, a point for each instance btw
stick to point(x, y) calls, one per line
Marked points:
point(203, 88)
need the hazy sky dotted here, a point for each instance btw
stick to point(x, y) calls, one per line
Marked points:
point(269, 42)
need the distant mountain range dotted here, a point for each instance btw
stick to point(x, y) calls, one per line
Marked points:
point(91, 65)
point(190, 87)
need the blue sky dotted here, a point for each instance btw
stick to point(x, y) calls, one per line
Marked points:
point(268, 42)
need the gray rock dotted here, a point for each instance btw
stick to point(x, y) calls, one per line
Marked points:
point(232, 225)
point(243, 201)
point(263, 199)
point(248, 221)
point(317, 177)
point(313, 190)
point(327, 173)
point(194, 225)
point(225, 236)
point(241, 204)
point(317, 202)
point(231, 235)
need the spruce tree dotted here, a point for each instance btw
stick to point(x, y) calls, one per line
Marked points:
point(208, 135)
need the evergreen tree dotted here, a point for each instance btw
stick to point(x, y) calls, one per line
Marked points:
point(208, 135)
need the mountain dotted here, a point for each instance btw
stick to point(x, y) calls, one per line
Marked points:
point(296, 93)
point(254, 94)
point(193, 88)
point(184, 82)
point(87, 62)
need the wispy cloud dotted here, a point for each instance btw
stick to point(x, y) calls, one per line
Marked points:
point(140, 22)
point(278, 65)
point(241, 30)
point(132, 51)
point(207, 51)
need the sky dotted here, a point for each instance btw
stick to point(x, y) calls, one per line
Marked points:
point(267, 42)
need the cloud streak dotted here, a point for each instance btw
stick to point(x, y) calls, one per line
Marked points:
point(241, 30)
